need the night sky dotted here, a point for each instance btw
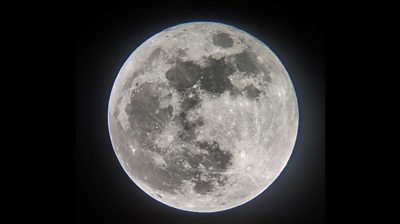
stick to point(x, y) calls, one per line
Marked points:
point(106, 34)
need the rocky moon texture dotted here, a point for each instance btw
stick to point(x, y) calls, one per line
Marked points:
point(203, 117)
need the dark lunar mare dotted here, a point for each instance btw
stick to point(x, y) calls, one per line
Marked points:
point(247, 63)
point(145, 116)
point(214, 77)
point(183, 75)
point(223, 40)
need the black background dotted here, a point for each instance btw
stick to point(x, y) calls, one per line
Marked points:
point(105, 36)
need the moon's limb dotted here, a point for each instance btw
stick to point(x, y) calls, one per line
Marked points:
point(203, 117)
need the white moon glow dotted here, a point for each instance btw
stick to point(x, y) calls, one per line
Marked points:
point(203, 117)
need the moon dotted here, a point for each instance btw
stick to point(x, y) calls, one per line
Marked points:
point(203, 117)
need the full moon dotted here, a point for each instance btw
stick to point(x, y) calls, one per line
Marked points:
point(203, 117)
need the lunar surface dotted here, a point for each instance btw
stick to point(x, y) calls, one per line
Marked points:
point(203, 117)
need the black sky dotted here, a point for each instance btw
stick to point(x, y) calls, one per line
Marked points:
point(106, 34)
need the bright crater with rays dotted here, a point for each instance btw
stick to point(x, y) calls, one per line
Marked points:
point(203, 117)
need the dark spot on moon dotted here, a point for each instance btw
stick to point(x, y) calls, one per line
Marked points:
point(215, 76)
point(203, 187)
point(183, 75)
point(157, 55)
point(129, 81)
point(145, 116)
point(203, 180)
point(194, 160)
point(247, 62)
point(222, 180)
point(216, 158)
point(188, 127)
point(187, 133)
point(208, 146)
point(182, 52)
point(267, 77)
point(251, 92)
point(223, 40)
point(190, 101)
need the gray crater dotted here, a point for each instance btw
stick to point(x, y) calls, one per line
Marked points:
point(223, 40)
point(251, 92)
